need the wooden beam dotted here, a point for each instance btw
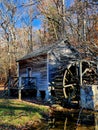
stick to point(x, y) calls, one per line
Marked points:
point(80, 65)
point(19, 90)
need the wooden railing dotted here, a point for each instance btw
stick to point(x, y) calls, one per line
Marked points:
point(21, 82)
point(28, 82)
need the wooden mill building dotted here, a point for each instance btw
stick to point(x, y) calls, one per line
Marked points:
point(43, 65)
point(58, 72)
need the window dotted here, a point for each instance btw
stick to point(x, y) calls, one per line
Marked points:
point(29, 72)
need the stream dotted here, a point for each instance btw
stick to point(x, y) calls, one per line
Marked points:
point(74, 122)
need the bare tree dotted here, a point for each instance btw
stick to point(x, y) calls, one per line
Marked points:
point(7, 24)
point(78, 21)
point(30, 14)
point(53, 12)
point(16, 27)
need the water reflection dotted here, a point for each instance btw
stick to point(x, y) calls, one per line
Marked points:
point(96, 121)
point(86, 122)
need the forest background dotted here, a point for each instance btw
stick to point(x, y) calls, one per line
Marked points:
point(27, 25)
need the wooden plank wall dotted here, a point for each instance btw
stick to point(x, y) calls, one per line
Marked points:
point(39, 70)
point(60, 57)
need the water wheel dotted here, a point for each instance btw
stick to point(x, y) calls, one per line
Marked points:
point(57, 86)
point(66, 83)
point(71, 81)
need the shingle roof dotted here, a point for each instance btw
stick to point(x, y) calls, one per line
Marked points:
point(45, 50)
point(40, 51)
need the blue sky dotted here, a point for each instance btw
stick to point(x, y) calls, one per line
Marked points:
point(69, 2)
point(37, 22)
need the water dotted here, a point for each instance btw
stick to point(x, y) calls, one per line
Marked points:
point(71, 122)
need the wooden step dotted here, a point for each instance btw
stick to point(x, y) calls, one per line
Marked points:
point(58, 76)
point(60, 90)
point(59, 94)
point(58, 80)
point(58, 87)
point(58, 83)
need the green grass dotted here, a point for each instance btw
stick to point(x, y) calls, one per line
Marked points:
point(18, 113)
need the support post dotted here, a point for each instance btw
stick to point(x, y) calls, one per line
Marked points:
point(80, 75)
point(9, 81)
point(17, 69)
point(80, 66)
point(47, 91)
point(19, 90)
point(97, 63)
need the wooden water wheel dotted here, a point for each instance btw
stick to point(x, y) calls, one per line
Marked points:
point(66, 84)
point(71, 81)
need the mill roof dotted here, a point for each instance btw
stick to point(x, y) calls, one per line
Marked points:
point(46, 49)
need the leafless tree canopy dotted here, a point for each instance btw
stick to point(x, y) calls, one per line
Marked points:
point(76, 21)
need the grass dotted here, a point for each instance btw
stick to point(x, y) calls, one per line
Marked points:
point(17, 113)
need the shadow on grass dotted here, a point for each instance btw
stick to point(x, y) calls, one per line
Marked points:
point(8, 104)
point(37, 125)
point(14, 113)
point(8, 127)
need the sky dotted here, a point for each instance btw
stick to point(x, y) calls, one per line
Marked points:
point(69, 2)
point(36, 22)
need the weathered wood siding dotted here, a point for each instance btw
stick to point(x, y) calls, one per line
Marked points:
point(39, 70)
point(45, 64)
point(61, 56)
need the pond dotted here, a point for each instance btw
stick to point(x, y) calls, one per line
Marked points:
point(74, 122)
